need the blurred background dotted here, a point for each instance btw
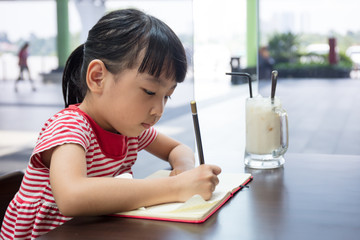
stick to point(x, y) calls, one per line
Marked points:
point(314, 44)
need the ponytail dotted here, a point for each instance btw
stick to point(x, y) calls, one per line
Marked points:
point(73, 84)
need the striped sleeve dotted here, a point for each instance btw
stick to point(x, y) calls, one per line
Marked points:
point(147, 137)
point(68, 127)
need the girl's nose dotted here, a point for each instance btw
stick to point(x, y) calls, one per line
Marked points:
point(158, 108)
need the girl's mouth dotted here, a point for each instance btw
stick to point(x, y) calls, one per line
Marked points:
point(146, 125)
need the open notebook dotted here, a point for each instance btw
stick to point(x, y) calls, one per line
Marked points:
point(196, 209)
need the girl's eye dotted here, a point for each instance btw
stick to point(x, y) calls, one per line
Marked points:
point(149, 92)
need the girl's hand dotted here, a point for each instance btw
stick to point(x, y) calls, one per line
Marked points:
point(201, 180)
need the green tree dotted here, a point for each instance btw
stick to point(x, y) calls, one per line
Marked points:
point(283, 47)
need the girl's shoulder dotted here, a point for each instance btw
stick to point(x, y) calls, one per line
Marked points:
point(69, 121)
point(66, 126)
point(69, 116)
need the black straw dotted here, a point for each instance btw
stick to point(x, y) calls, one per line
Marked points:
point(244, 75)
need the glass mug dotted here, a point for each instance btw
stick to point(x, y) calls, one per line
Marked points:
point(267, 135)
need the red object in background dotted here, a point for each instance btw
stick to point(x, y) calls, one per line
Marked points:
point(332, 52)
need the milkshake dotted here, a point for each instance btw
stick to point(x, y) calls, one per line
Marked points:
point(266, 133)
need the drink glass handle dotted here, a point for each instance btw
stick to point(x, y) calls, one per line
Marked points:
point(284, 131)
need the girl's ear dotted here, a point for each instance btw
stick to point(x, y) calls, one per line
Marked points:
point(95, 76)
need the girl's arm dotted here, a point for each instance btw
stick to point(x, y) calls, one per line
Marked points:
point(79, 195)
point(180, 156)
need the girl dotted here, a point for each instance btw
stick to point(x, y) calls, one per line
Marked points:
point(115, 87)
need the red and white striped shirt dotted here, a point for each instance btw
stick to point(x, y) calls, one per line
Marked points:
point(33, 210)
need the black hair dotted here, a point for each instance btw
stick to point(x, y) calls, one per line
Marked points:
point(25, 45)
point(117, 39)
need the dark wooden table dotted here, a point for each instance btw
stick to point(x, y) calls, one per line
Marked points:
point(312, 197)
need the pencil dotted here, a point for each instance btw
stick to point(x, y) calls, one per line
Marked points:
point(197, 132)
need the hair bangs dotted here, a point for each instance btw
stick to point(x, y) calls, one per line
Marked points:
point(164, 55)
point(157, 61)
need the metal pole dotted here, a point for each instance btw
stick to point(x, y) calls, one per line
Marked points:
point(252, 32)
point(63, 39)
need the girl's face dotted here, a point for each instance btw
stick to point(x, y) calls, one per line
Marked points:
point(133, 102)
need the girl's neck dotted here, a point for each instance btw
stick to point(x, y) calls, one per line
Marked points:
point(88, 107)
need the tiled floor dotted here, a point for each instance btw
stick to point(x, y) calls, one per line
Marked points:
point(324, 115)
